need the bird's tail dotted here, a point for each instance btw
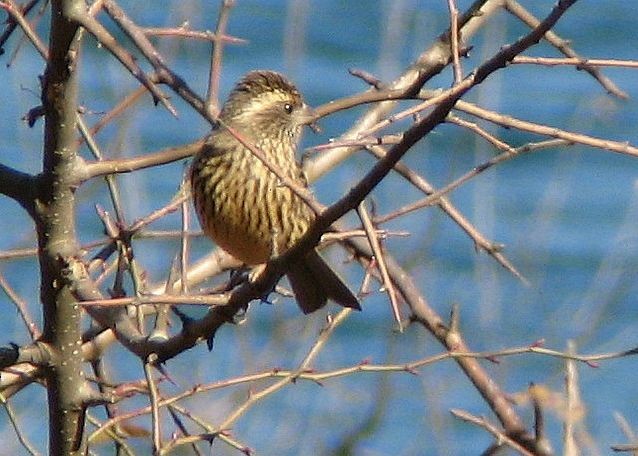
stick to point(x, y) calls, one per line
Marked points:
point(314, 282)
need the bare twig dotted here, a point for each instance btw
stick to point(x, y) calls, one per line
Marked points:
point(454, 41)
point(183, 31)
point(127, 165)
point(576, 61)
point(539, 423)
point(122, 445)
point(118, 110)
point(434, 197)
point(380, 261)
point(570, 448)
point(17, 14)
point(257, 396)
point(482, 243)
point(12, 23)
point(154, 396)
point(184, 242)
point(552, 132)
point(212, 97)
point(197, 300)
point(321, 376)
point(21, 306)
point(629, 433)
point(500, 436)
point(563, 46)
point(164, 73)
point(107, 40)
point(109, 178)
point(14, 423)
point(428, 64)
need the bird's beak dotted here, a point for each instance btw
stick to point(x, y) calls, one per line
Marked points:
point(308, 117)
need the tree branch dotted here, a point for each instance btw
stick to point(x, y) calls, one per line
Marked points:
point(127, 165)
point(19, 186)
point(57, 240)
point(429, 64)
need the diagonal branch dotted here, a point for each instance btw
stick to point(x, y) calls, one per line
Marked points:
point(13, 22)
point(102, 35)
point(17, 16)
point(216, 58)
point(563, 46)
point(480, 241)
point(430, 63)
point(164, 73)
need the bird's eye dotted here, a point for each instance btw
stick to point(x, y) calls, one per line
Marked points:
point(288, 108)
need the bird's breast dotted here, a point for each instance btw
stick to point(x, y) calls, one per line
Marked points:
point(244, 208)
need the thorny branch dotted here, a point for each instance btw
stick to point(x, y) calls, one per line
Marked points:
point(23, 187)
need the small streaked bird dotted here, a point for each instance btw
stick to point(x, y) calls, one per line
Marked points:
point(243, 206)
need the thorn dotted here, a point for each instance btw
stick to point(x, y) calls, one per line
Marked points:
point(538, 343)
point(165, 373)
point(366, 77)
point(412, 371)
point(454, 318)
point(493, 359)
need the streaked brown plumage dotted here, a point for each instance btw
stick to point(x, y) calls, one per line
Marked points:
point(243, 206)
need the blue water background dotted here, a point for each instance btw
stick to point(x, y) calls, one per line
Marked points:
point(567, 218)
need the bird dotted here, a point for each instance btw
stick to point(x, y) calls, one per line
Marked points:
point(243, 206)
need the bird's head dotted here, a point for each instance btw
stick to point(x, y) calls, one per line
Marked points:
point(266, 105)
